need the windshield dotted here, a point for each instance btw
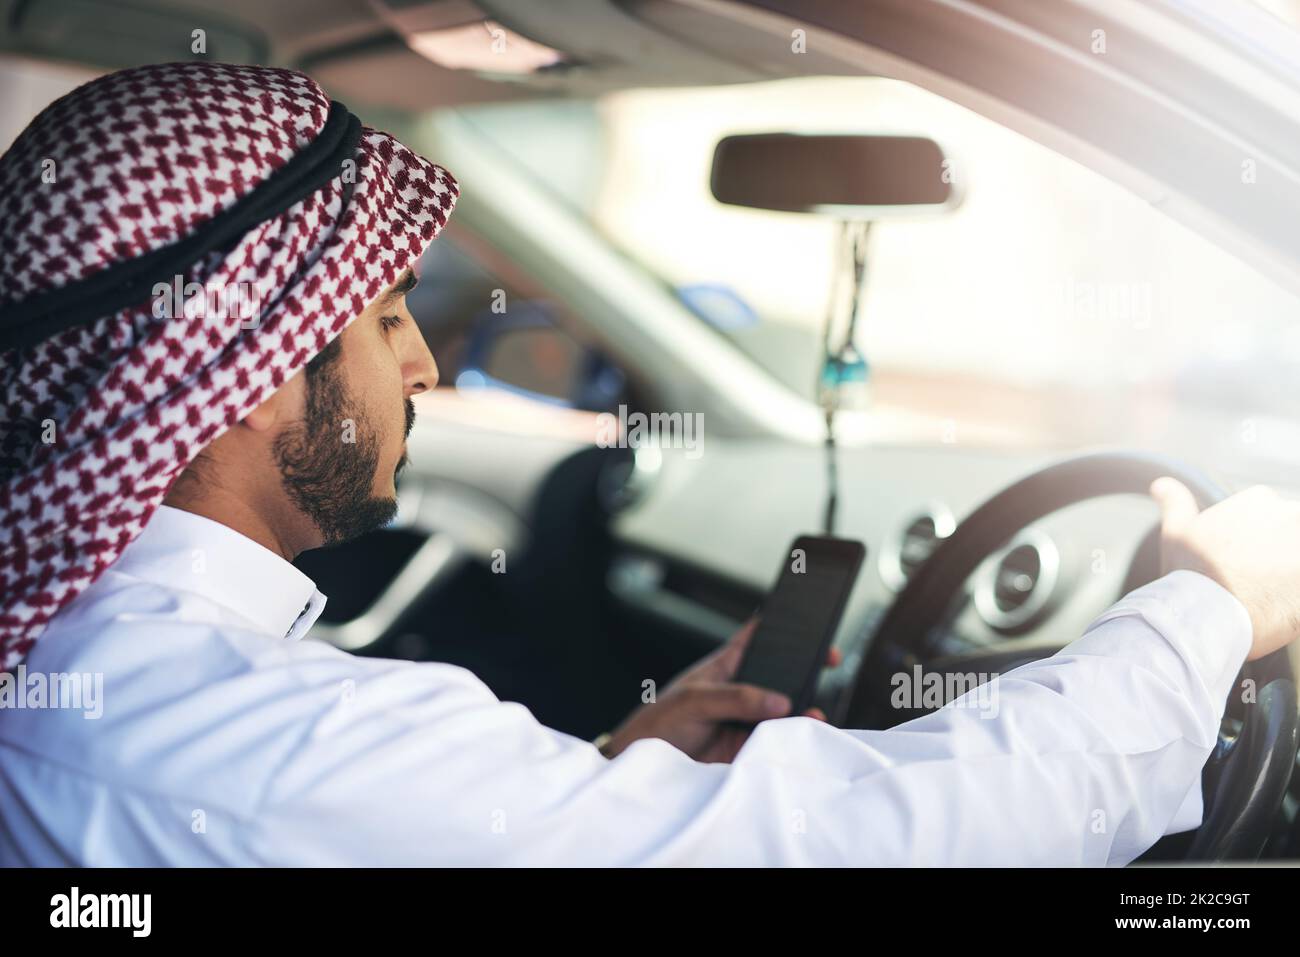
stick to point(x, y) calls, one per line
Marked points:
point(1051, 305)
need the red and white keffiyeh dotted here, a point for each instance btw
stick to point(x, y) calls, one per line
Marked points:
point(99, 420)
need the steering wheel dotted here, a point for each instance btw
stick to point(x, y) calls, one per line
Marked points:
point(1246, 775)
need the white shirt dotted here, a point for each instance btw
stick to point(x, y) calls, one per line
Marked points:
point(225, 737)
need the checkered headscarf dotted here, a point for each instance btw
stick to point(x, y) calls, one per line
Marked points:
point(98, 420)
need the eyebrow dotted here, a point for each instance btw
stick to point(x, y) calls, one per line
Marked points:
point(405, 283)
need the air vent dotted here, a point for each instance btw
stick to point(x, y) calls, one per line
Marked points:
point(1016, 585)
point(910, 548)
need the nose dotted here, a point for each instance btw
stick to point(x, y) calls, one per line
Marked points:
point(419, 370)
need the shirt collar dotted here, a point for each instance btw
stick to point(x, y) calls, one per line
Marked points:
point(188, 552)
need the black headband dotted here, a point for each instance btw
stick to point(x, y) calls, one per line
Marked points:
point(131, 282)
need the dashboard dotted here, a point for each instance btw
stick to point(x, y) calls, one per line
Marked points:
point(701, 539)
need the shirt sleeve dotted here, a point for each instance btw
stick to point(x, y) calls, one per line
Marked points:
point(1084, 758)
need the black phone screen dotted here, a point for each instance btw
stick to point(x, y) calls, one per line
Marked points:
point(799, 617)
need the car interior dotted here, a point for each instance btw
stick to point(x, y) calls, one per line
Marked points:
point(953, 237)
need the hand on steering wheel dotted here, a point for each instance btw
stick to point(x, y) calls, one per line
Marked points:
point(1247, 773)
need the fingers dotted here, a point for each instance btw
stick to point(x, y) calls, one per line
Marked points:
point(740, 640)
point(834, 658)
point(1177, 504)
point(736, 702)
point(728, 658)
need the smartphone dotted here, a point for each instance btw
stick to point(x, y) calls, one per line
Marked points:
point(798, 619)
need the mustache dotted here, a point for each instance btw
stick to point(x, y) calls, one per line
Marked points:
point(410, 424)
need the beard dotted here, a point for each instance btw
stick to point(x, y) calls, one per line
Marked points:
point(330, 480)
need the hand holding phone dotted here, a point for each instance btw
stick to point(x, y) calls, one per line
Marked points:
point(799, 617)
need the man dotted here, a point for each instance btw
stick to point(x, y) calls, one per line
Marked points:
point(162, 466)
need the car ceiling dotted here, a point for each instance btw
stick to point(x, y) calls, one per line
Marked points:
point(356, 48)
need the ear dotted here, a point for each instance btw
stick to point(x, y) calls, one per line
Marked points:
point(264, 417)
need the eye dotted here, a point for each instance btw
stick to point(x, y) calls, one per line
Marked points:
point(390, 322)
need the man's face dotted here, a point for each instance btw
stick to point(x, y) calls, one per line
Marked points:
point(339, 464)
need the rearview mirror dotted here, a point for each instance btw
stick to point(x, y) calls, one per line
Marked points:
point(854, 177)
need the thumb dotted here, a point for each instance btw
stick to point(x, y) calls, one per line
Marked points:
point(1177, 504)
point(734, 650)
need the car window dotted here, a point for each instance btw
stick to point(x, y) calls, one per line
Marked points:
point(1051, 306)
